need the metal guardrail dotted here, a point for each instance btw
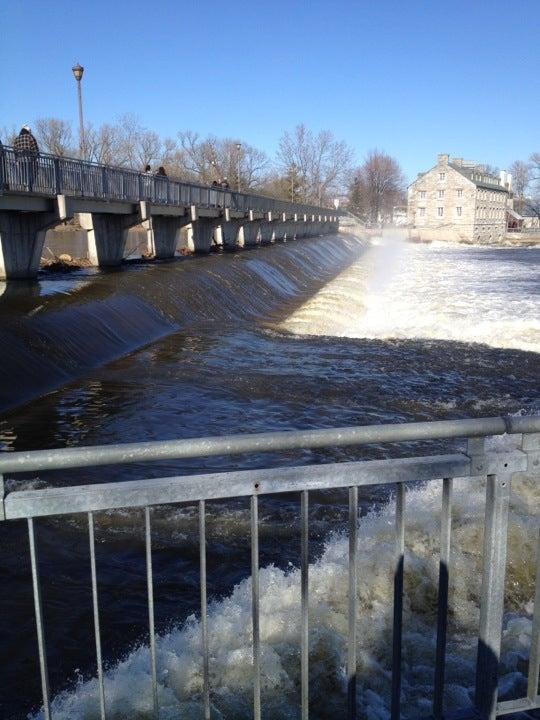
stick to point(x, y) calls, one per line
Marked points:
point(50, 175)
point(497, 467)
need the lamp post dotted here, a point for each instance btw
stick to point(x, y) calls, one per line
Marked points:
point(238, 146)
point(293, 175)
point(78, 71)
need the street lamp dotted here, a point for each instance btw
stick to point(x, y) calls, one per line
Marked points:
point(238, 146)
point(293, 175)
point(78, 71)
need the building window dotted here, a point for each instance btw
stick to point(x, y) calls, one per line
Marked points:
point(459, 211)
point(441, 194)
point(422, 194)
point(460, 192)
point(442, 176)
point(440, 211)
point(422, 211)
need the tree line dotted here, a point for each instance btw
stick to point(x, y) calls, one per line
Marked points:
point(308, 167)
point(526, 185)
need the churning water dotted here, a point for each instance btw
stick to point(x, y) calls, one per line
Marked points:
point(337, 334)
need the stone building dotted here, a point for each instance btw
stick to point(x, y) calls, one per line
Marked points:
point(460, 201)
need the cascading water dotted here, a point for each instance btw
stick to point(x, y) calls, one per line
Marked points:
point(325, 358)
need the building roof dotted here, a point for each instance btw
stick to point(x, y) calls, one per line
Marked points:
point(477, 174)
point(514, 214)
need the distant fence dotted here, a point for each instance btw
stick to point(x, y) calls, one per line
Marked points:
point(497, 467)
point(50, 175)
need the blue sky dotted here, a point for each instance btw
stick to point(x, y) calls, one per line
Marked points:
point(412, 77)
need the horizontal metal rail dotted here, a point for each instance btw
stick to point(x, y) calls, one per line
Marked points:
point(263, 442)
point(497, 467)
point(51, 175)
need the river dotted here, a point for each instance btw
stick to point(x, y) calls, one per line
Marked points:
point(271, 340)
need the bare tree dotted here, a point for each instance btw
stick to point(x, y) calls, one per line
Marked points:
point(319, 163)
point(377, 187)
point(534, 166)
point(138, 145)
point(8, 135)
point(521, 173)
point(213, 159)
point(55, 136)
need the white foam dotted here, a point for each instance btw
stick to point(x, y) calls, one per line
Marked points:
point(127, 684)
point(404, 291)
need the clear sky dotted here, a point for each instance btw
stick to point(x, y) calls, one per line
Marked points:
point(412, 77)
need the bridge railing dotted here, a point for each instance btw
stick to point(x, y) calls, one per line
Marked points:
point(50, 175)
point(497, 467)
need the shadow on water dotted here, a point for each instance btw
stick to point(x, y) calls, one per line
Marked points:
point(42, 345)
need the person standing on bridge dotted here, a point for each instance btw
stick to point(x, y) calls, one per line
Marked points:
point(27, 151)
point(161, 171)
point(225, 183)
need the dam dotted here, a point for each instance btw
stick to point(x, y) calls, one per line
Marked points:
point(325, 334)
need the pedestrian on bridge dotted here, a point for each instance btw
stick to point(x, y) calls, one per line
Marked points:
point(161, 171)
point(26, 151)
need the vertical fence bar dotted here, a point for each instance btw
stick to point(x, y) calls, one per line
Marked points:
point(39, 622)
point(351, 648)
point(255, 608)
point(95, 605)
point(534, 655)
point(398, 603)
point(151, 625)
point(442, 606)
point(304, 640)
point(204, 610)
point(492, 597)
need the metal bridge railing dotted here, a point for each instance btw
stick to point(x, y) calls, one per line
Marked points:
point(478, 460)
point(50, 175)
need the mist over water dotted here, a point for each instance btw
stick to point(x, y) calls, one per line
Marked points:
point(436, 291)
point(375, 344)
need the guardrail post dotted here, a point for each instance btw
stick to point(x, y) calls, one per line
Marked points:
point(57, 177)
point(492, 594)
point(2, 509)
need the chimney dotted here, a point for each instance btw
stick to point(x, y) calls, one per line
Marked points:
point(509, 182)
point(502, 176)
point(443, 159)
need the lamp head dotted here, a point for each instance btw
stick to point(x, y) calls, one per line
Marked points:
point(78, 71)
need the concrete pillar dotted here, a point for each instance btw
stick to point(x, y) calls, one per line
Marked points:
point(267, 232)
point(166, 232)
point(251, 233)
point(230, 233)
point(106, 236)
point(203, 233)
point(22, 235)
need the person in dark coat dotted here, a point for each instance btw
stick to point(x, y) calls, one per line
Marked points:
point(26, 143)
point(161, 171)
point(26, 151)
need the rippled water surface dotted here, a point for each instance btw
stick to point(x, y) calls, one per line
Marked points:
point(398, 333)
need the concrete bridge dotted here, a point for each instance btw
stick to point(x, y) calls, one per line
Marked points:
point(39, 193)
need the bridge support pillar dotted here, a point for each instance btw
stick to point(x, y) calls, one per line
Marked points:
point(106, 236)
point(22, 236)
point(230, 233)
point(204, 234)
point(251, 233)
point(165, 231)
point(267, 232)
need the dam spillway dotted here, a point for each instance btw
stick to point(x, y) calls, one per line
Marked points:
point(295, 354)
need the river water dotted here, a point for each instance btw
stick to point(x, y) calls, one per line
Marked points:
point(391, 333)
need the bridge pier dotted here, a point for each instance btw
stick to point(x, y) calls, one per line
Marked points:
point(166, 235)
point(22, 236)
point(107, 234)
